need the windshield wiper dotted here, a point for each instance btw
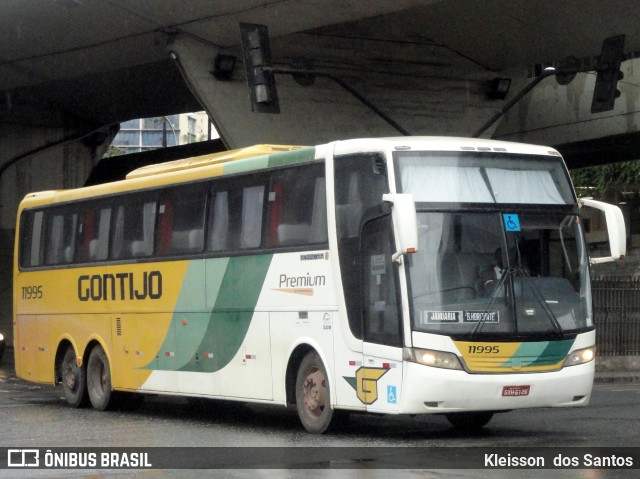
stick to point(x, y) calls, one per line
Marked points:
point(496, 292)
point(519, 273)
point(543, 302)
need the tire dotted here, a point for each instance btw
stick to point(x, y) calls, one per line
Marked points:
point(73, 379)
point(99, 379)
point(313, 395)
point(469, 421)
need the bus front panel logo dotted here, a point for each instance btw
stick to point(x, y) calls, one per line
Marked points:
point(366, 383)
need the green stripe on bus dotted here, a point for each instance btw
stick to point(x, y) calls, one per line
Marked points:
point(209, 341)
point(292, 157)
point(540, 353)
point(555, 352)
point(284, 158)
point(246, 165)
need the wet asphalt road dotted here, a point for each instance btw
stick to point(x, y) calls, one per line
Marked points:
point(36, 416)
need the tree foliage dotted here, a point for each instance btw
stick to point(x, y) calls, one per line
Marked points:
point(601, 178)
point(112, 151)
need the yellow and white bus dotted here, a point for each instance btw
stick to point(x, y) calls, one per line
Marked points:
point(400, 276)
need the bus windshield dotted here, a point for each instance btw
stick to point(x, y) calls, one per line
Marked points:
point(474, 177)
point(500, 249)
point(471, 277)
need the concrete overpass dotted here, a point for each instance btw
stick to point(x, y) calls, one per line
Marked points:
point(72, 69)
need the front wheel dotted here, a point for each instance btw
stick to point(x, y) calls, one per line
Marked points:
point(73, 379)
point(469, 421)
point(99, 379)
point(313, 395)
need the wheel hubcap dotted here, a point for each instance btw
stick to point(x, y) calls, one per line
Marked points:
point(315, 389)
point(69, 376)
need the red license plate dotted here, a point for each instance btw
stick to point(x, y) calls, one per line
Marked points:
point(515, 391)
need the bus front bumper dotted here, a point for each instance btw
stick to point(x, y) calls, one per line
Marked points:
point(435, 390)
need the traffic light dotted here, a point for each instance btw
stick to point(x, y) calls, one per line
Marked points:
point(608, 74)
point(257, 62)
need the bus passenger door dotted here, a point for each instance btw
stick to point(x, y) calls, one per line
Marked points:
point(382, 331)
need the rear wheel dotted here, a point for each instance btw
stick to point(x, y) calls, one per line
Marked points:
point(469, 421)
point(313, 395)
point(74, 379)
point(99, 379)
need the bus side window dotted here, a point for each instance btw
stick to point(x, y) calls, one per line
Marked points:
point(381, 316)
point(181, 224)
point(235, 217)
point(93, 235)
point(218, 221)
point(31, 238)
point(133, 232)
point(165, 226)
point(60, 237)
point(297, 207)
point(360, 182)
point(86, 234)
point(99, 249)
point(252, 203)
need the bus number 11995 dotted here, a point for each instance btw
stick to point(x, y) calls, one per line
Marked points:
point(32, 292)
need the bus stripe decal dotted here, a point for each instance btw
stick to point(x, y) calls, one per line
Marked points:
point(234, 287)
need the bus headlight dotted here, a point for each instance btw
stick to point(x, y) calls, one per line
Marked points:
point(580, 356)
point(433, 358)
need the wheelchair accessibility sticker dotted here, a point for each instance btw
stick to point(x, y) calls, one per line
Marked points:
point(511, 222)
point(392, 397)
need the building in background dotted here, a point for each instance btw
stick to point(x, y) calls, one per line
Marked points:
point(159, 132)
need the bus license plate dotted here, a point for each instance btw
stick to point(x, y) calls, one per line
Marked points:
point(513, 391)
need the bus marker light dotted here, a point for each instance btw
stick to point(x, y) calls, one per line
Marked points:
point(169, 354)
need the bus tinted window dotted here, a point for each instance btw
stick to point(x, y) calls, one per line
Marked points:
point(60, 243)
point(472, 177)
point(251, 229)
point(181, 220)
point(235, 216)
point(360, 182)
point(30, 238)
point(297, 212)
point(219, 221)
point(134, 227)
point(93, 234)
point(286, 208)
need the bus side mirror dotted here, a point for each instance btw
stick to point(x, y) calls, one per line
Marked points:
point(405, 223)
point(615, 229)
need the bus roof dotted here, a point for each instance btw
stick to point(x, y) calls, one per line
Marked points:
point(257, 157)
point(208, 160)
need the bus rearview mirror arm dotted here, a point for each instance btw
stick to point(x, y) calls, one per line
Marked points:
point(405, 224)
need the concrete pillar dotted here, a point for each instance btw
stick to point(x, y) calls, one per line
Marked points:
point(38, 151)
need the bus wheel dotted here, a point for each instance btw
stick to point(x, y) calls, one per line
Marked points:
point(313, 395)
point(74, 379)
point(469, 421)
point(99, 379)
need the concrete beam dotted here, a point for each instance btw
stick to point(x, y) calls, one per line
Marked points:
point(553, 114)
